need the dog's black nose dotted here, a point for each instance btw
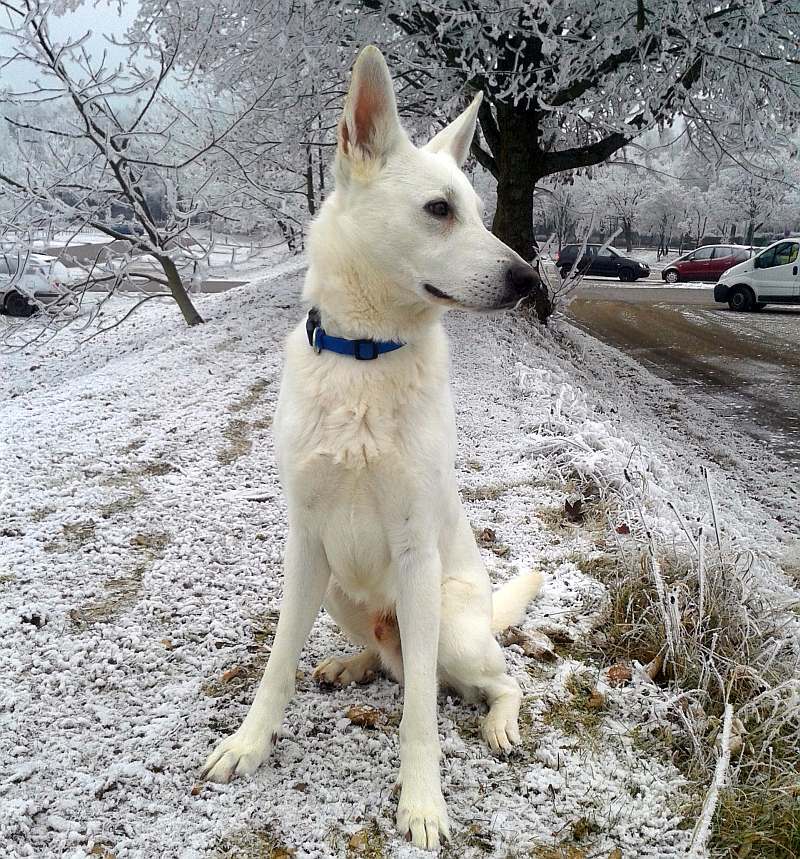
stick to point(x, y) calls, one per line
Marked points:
point(522, 279)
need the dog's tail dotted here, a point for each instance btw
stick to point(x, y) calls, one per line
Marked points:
point(511, 600)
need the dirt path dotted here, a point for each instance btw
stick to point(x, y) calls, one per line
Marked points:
point(746, 367)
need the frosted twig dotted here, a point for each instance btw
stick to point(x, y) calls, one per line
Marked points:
point(697, 850)
point(712, 501)
point(683, 525)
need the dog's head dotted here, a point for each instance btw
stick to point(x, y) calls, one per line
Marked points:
point(411, 214)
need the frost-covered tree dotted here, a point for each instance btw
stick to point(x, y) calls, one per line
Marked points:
point(696, 214)
point(662, 211)
point(138, 152)
point(622, 191)
point(754, 195)
point(567, 82)
point(300, 53)
point(566, 207)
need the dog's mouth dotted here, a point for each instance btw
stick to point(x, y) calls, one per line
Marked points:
point(443, 296)
point(437, 293)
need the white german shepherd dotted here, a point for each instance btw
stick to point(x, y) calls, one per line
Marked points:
point(366, 448)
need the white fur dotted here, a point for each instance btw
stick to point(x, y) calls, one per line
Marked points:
point(366, 450)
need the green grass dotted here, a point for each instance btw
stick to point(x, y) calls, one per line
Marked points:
point(760, 821)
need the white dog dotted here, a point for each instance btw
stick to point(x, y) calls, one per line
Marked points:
point(365, 434)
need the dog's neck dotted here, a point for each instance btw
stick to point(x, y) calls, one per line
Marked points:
point(360, 305)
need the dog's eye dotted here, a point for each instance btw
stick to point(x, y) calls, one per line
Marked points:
point(438, 208)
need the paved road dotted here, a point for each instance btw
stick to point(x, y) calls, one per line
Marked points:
point(746, 367)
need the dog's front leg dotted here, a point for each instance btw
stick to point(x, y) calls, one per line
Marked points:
point(306, 574)
point(421, 814)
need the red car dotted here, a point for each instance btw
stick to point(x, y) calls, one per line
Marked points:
point(706, 263)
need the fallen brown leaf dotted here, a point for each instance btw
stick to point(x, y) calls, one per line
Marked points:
point(596, 700)
point(619, 674)
point(233, 673)
point(366, 717)
point(738, 733)
point(534, 644)
point(653, 669)
point(486, 537)
point(358, 840)
point(555, 632)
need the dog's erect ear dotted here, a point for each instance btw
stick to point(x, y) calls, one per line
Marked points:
point(369, 128)
point(456, 138)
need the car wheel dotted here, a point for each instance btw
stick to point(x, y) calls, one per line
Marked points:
point(671, 276)
point(626, 275)
point(741, 298)
point(16, 304)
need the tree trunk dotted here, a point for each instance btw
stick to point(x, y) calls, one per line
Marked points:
point(751, 228)
point(517, 176)
point(627, 229)
point(178, 291)
point(312, 208)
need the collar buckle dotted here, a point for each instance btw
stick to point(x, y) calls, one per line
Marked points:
point(361, 356)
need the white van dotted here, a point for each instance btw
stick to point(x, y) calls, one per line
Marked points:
point(770, 277)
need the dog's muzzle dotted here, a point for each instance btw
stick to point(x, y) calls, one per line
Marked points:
point(521, 281)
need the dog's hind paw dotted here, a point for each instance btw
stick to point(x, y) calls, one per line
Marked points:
point(343, 671)
point(501, 731)
point(241, 754)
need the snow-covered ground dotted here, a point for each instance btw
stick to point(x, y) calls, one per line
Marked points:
point(140, 552)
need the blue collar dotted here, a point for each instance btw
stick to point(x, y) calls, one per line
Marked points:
point(361, 350)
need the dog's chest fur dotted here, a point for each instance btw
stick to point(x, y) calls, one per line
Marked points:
point(346, 433)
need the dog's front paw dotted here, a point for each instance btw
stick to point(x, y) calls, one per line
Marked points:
point(241, 754)
point(422, 817)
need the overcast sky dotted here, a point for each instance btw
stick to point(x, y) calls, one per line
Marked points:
point(102, 19)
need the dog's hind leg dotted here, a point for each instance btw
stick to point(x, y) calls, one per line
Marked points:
point(344, 670)
point(306, 574)
point(472, 662)
point(353, 619)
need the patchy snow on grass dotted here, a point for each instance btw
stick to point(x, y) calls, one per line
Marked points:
point(140, 569)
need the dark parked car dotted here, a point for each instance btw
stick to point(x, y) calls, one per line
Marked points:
point(597, 260)
point(707, 263)
point(128, 229)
